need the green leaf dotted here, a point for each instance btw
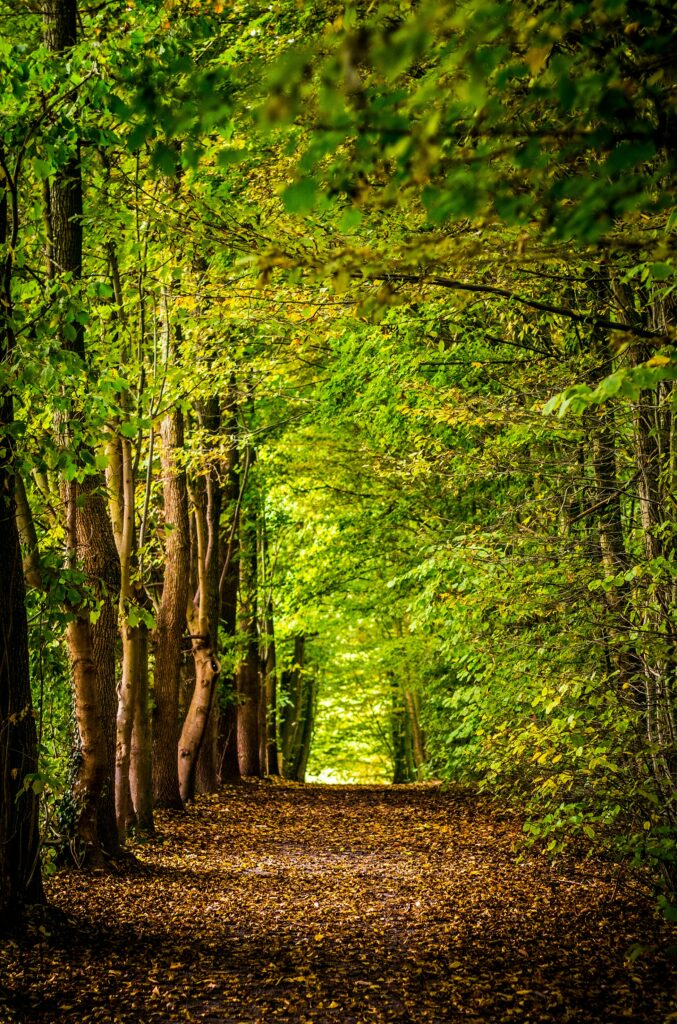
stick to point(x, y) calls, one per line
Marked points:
point(42, 168)
point(350, 220)
point(300, 197)
point(661, 271)
point(165, 159)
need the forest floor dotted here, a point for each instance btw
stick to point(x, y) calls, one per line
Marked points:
point(340, 905)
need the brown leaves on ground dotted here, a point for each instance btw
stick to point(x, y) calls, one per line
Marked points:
point(345, 906)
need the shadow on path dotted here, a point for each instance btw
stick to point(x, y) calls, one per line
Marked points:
point(327, 905)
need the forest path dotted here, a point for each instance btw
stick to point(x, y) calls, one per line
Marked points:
point(339, 905)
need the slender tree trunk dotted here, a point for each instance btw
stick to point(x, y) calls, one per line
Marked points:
point(229, 561)
point(229, 762)
point(270, 685)
point(122, 503)
point(417, 735)
point(307, 726)
point(404, 769)
point(297, 714)
point(202, 629)
point(171, 619)
point(248, 674)
point(141, 755)
point(206, 778)
point(269, 757)
point(660, 662)
point(615, 561)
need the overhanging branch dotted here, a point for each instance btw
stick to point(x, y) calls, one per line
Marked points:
point(588, 318)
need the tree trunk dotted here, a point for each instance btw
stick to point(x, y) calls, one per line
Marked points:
point(296, 713)
point(270, 689)
point(417, 734)
point(97, 553)
point(203, 624)
point(171, 618)
point(660, 660)
point(307, 724)
point(269, 668)
point(91, 775)
point(404, 769)
point(229, 560)
point(92, 648)
point(20, 880)
point(122, 503)
point(141, 756)
point(194, 728)
point(229, 762)
point(206, 778)
point(248, 671)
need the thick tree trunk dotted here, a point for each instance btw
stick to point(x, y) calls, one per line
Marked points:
point(248, 687)
point(194, 728)
point(97, 553)
point(171, 618)
point(91, 776)
point(89, 533)
point(20, 880)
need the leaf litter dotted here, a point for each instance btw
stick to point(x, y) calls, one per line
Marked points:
point(341, 905)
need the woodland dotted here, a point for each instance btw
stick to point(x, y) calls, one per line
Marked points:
point(338, 510)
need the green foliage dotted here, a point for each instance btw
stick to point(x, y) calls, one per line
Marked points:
point(409, 234)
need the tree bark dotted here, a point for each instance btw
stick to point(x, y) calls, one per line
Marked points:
point(229, 560)
point(206, 777)
point(97, 553)
point(270, 690)
point(248, 671)
point(20, 880)
point(417, 735)
point(92, 647)
point(270, 759)
point(141, 755)
point(297, 714)
point(122, 504)
point(203, 625)
point(404, 769)
point(660, 661)
point(171, 618)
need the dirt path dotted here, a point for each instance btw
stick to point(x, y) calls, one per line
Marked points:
point(339, 905)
